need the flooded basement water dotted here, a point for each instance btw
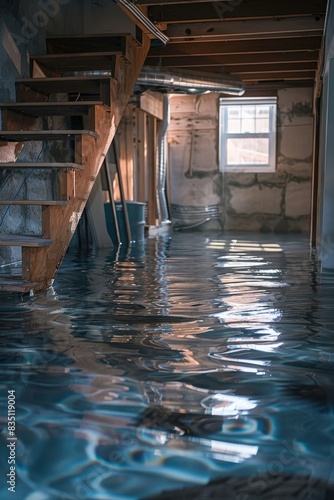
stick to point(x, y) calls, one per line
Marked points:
point(194, 359)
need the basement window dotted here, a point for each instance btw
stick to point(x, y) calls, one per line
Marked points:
point(248, 134)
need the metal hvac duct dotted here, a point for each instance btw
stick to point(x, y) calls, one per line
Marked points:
point(162, 163)
point(189, 81)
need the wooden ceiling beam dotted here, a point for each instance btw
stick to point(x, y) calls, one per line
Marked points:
point(240, 30)
point(237, 47)
point(269, 68)
point(238, 10)
point(259, 77)
point(235, 59)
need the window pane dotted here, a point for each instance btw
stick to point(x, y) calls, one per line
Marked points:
point(262, 125)
point(248, 151)
point(262, 119)
point(248, 119)
point(248, 134)
point(233, 119)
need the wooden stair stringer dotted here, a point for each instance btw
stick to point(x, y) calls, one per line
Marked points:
point(40, 265)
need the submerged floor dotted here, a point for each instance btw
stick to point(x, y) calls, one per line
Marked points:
point(193, 359)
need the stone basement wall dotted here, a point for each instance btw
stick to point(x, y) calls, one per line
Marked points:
point(267, 202)
point(23, 28)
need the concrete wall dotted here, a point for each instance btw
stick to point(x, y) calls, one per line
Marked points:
point(278, 201)
point(325, 236)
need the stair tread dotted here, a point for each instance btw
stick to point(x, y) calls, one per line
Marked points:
point(35, 202)
point(83, 61)
point(95, 86)
point(13, 283)
point(23, 240)
point(52, 108)
point(69, 83)
point(41, 165)
point(42, 135)
point(88, 43)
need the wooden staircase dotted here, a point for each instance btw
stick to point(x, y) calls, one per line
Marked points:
point(74, 65)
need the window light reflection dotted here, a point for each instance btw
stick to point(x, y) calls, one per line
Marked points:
point(240, 246)
point(227, 404)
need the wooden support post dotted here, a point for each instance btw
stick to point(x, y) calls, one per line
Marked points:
point(105, 91)
point(120, 182)
point(112, 200)
point(66, 185)
point(129, 151)
point(152, 170)
point(141, 149)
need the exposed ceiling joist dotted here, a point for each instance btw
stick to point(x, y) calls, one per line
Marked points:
point(235, 59)
point(237, 47)
point(239, 9)
point(273, 42)
point(239, 30)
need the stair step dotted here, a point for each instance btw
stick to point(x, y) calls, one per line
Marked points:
point(35, 202)
point(86, 61)
point(75, 108)
point(90, 85)
point(19, 240)
point(18, 164)
point(42, 135)
point(89, 43)
point(9, 283)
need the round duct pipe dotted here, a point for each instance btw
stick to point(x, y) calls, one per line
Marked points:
point(189, 81)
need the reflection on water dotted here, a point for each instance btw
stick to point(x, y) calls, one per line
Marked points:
point(189, 359)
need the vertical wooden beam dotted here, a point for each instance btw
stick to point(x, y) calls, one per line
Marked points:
point(123, 199)
point(141, 150)
point(67, 184)
point(129, 153)
point(152, 170)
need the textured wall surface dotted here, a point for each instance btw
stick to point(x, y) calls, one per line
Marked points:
point(273, 202)
point(23, 28)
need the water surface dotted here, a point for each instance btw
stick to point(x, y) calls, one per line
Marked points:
point(193, 358)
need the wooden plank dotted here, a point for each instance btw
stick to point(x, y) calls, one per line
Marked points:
point(66, 185)
point(17, 165)
point(268, 68)
point(10, 283)
point(239, 9)
point(141, 151)
point(152, 103)
point(43, 135)
point(90, 42)
point(127, 173)
point(78, 62)
point(75, 108)
point(34, 202)
point(242, 30)
point(236, 59)
point(293, 75)
point(237, 47)
point(19, 240)
point(66, 84)
point(104, 42)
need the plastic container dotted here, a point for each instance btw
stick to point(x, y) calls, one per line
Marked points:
point(136, 214)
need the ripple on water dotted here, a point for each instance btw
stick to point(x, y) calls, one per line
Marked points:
point(139, 373)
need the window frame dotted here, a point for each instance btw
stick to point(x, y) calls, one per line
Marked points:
point(224, 103)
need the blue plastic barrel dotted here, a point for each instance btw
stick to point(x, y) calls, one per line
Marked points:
point(136, 214)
